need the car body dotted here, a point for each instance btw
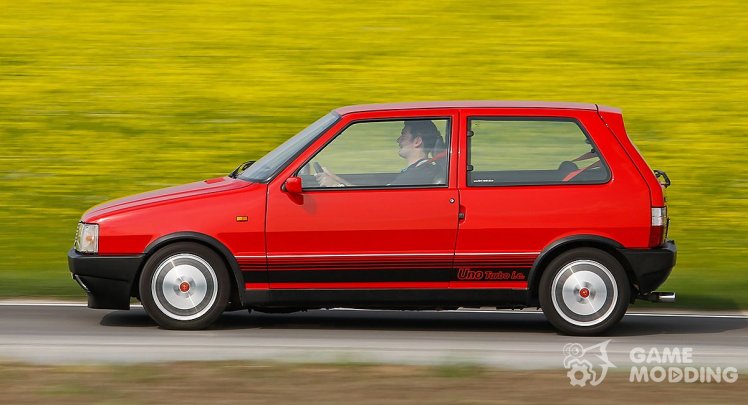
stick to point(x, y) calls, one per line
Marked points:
point(511, 205)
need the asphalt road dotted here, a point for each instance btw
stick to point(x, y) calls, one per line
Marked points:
point(72, 333)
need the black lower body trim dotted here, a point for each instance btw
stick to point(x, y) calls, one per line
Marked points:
point(361, 275)
point(107, 280)
point(386, 299)
point(651, 266)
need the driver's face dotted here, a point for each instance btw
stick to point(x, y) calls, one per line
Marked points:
point(405, 142)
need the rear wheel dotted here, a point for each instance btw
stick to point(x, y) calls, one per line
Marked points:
point(584, 291)
point(184, 286)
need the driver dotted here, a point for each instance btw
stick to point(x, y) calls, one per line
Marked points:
point(418, 140)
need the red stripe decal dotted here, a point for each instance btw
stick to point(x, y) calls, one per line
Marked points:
point(516, 285)
point(393, 285)
point(360, 286)
point(256, 286)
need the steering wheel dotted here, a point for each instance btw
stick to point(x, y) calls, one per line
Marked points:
point(317, 167)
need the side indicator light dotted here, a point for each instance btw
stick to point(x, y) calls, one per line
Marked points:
point(242, 219)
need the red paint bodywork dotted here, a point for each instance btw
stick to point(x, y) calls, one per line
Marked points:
point(129, 225)
point(503, 227)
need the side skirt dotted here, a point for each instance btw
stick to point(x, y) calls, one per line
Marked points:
point(390, 299)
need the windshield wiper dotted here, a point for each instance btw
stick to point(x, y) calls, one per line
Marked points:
point(242, 167)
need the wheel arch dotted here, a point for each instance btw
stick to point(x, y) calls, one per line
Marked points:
point(236, 296)
point(562, 245)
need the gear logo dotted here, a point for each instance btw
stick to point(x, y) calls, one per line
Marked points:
point(581, 362)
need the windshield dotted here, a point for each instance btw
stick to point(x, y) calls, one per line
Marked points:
point(270, 164)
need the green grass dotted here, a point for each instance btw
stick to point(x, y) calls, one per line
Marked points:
point(103, 99)
point(336, 383)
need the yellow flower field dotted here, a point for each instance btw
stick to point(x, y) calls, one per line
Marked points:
point(107, 98)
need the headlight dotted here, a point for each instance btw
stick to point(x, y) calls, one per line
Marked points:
point(87, 238)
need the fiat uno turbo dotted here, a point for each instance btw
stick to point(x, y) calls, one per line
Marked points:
point(435, 205)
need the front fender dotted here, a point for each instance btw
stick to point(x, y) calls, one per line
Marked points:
point(211, 242)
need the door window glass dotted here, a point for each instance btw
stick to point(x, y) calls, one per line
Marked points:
point(382, 154)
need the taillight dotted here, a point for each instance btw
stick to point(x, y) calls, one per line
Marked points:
point(658, 231)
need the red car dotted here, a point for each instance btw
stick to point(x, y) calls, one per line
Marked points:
point(434, 205)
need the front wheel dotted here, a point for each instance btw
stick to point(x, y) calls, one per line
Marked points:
point(184, 286)
point(584, 291)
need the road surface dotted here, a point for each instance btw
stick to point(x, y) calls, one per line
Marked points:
point(71, 333)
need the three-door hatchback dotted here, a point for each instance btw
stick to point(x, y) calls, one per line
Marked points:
point(435, 205)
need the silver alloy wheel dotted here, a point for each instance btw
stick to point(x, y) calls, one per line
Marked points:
point(184, 287)
point(584, 292)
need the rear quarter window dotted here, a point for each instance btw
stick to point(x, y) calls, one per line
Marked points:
point(521, 151)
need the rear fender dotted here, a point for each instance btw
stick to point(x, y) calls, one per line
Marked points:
point(561, 245)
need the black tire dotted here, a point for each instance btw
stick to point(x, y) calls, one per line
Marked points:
point(570, 308)
point(184, 286)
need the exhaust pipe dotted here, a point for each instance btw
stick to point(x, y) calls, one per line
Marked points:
point(657, 296)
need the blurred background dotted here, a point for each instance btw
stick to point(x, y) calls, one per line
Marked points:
point(103, 99)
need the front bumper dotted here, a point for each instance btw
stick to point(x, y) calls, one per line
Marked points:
point(651, 267)
point(107, 280)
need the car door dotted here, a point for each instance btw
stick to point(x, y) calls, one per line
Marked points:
point(375, 226)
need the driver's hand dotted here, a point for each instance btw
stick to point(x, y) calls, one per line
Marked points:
point(328, 179)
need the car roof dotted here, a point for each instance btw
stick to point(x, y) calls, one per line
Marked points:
point(470, 104)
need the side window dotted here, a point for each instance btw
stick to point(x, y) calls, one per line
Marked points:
point(513, 151)
point(382, 154)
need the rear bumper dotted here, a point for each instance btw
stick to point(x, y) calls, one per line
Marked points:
point(107, 280)
point(651, 267)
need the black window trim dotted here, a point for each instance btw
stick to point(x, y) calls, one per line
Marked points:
point(448, 144)
point(469, 183)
